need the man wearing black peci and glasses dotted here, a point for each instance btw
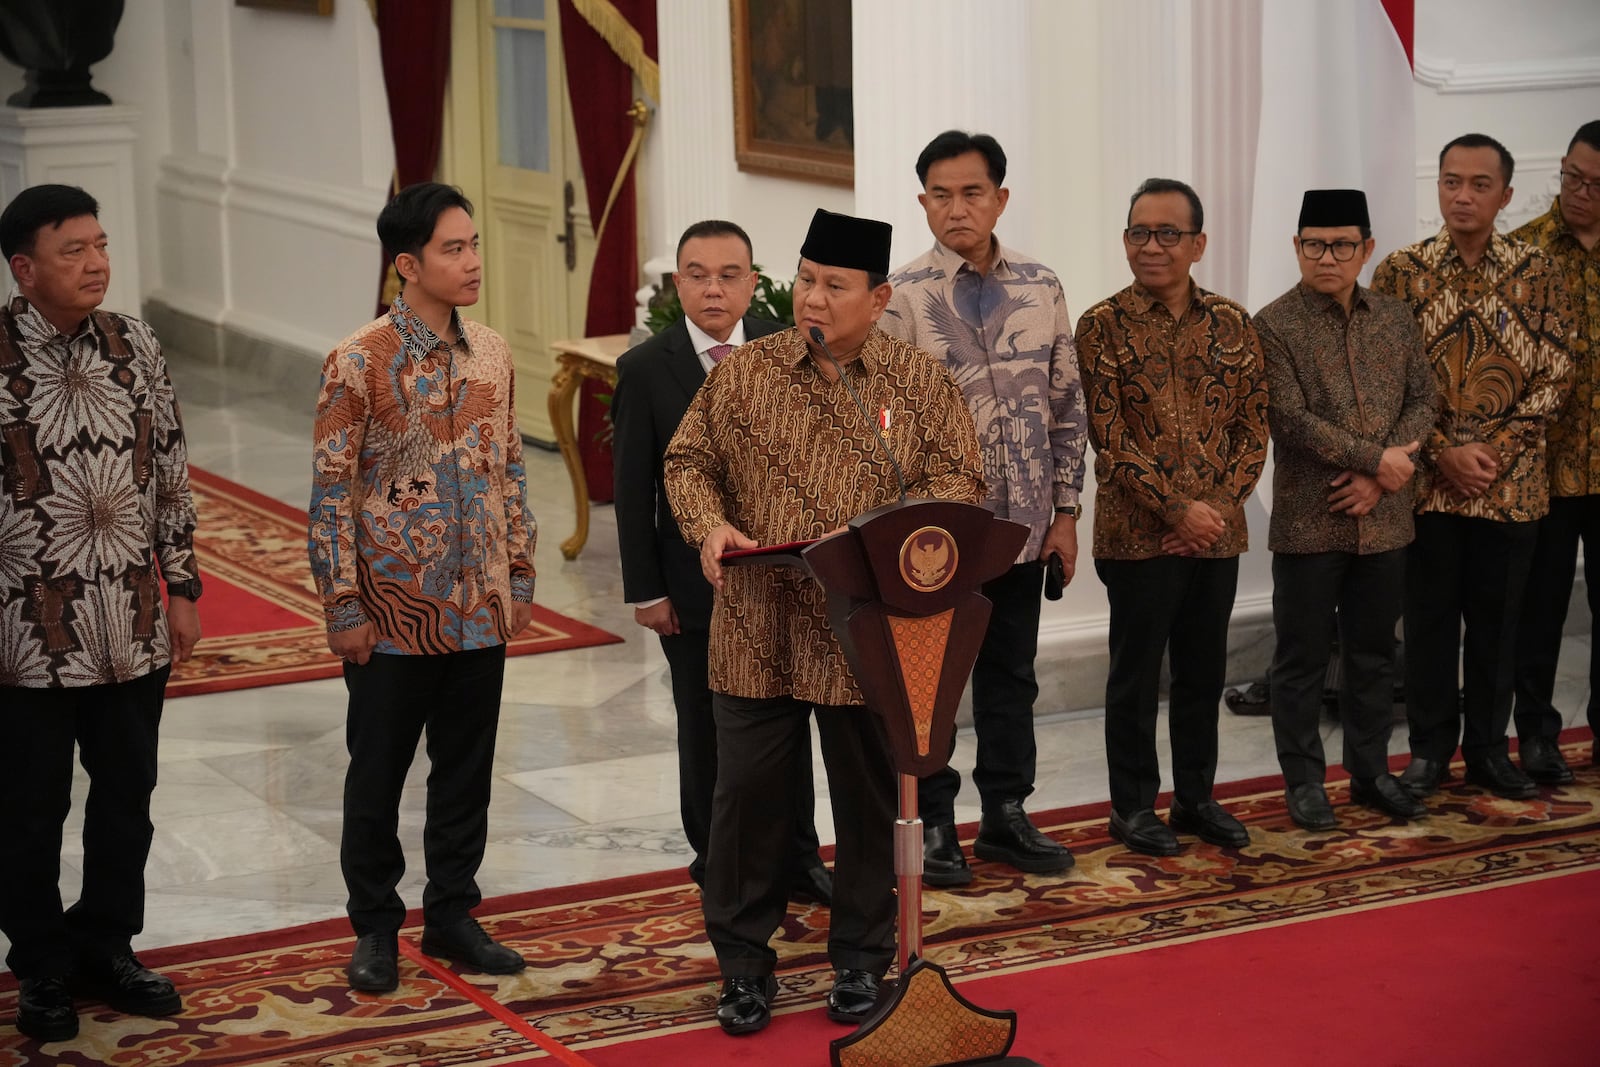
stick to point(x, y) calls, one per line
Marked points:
point(1177, 402)
point(1352, 397)
point(1569, 233)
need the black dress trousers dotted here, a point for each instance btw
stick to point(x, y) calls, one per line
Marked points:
point(115, 728)
point(1472, 571)
point(761, 745)
point(1309, 591)
point(455, 699)
point(1173, 604)
point(687, 657)
point(1572, 520)
point(1004, 689)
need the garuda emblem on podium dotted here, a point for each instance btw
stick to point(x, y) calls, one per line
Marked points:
point(928, 559)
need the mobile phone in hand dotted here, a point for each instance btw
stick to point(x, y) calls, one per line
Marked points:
point(1055, 577)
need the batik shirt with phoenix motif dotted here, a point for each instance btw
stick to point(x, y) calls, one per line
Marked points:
point(96, 509)
point(1496, 334)
point(419, 521)
point(1006, 338)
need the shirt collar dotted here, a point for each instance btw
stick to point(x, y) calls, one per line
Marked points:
point(871, 356)
point(951, 262)
point(1497, 251)
point(1143, 300)
point(1324, 302)
point(415, 334)
point(33, 322)
point(703, 342)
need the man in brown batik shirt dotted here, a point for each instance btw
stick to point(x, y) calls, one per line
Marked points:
point(1177, 401)
point(773, 450)
point(1352, 396)
point(1493, 313)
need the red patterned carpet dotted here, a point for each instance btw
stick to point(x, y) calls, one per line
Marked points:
point(1298, 930)
point(261, 616)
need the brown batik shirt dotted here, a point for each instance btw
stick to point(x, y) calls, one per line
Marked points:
point(97, 510)
point(1343, 389)
point(1496, 336)
point(1572, 435)
point(1177, 413)
point(772, 447)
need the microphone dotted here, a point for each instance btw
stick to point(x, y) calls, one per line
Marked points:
point(899, 476)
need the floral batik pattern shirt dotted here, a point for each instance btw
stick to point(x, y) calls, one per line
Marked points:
point(1496, 335)
point(419, 521)
point(97, 510)
point(1572, 435)
point(1006, 338)
point(1177, 413)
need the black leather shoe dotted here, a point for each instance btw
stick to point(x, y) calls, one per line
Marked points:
point(853, 996)
point(1209, 822)
point(1005, 835)
point(1309, 807)
point(466, 943)
point(746, 1004)
point(1385, 793)
point(812, 885)
point(126, 985)
point(45, 1011)
point(1143, 831)
point(1421, 777)
point(943, 862)
point(1543, 762)
point(375, 964)
point(1500, 776)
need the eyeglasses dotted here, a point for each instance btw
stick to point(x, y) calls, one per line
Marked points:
point(1343, 251)
point(1166, 236)
point(1572, 181)
point(727, 279)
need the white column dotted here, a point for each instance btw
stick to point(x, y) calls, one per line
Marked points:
point(926, 66)
point(693, 131)
point(90, 147)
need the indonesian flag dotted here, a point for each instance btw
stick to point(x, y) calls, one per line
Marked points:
point(1336, 113)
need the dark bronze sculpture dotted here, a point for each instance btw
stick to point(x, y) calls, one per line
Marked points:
point(56, 42)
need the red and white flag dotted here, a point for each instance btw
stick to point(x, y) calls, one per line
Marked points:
point(1336, 113)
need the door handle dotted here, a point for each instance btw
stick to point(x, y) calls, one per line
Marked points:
point(569, 234)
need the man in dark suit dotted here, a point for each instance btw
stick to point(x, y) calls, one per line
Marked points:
point(661, 576)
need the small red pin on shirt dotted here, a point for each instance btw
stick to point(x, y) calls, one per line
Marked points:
point(883, 420)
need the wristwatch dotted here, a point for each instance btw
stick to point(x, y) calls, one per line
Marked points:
point(189, 590)
point(1074, 510)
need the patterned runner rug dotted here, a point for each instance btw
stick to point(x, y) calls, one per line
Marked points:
point(261, 616)
point(624, 960)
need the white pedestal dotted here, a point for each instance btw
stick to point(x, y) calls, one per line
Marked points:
point(92, 148)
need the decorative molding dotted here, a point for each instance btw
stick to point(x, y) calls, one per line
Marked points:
point(314, 205)
point(1535, 185)
point(1445, 75)
point(201, 179)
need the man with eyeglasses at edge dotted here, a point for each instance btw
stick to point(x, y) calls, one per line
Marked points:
point(1569, 233)
point(1352, 395)
point(1177, 401)
point(661, 574)
point(1494, 314)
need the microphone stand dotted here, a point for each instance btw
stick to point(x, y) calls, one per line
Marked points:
point(908, 827)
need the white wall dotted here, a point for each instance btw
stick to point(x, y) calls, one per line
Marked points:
point(1528, 81)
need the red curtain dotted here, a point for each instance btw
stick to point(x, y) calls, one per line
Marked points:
point(414, 42)
point(600, 83)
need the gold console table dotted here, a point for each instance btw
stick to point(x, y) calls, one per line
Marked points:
point(586, 357)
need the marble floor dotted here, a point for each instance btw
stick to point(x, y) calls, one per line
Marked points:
point(247, 811)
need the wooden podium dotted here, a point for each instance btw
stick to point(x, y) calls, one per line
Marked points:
point(903, 596)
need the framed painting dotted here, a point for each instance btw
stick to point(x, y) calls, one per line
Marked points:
point(305, 7)
point(793, 108)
